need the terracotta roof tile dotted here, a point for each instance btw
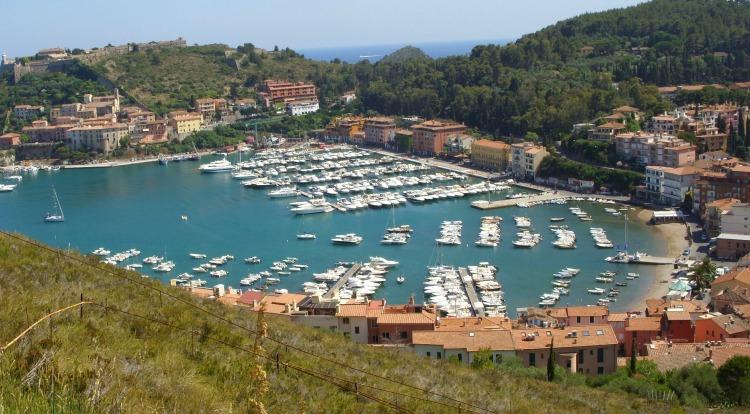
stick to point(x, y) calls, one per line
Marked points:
point(589, 335)
point(587, 310)
point(646, 323)
point(500, 340)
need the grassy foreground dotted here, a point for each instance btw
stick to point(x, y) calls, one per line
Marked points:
point(106, 361)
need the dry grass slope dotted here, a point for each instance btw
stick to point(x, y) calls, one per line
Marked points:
point(109, 362)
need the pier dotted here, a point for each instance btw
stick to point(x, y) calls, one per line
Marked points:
point(544, 197)
point(342, 280)
point(476, 305)
point(646, 259)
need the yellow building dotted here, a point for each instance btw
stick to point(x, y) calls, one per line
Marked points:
point(490, 155)
point(186, 123)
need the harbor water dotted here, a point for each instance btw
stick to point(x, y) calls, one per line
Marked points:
point(140, 206)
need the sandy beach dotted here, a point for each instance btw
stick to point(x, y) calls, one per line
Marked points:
point(674, 236)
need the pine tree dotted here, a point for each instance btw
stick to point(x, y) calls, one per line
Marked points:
point(551, 362)
point(633, 361)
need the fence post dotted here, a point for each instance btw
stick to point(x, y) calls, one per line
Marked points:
point(80, 309)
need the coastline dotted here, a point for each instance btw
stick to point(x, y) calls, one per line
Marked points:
point(674, 239)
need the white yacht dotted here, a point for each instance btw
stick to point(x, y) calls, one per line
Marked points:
point(377, 260)
point(5, 188)
point(306, 236)
point(197, 255)
point(217, 166)
point(284, 192)
point(314, 206)
point(348, 239)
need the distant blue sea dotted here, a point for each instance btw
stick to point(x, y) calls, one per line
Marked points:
point(373, 53)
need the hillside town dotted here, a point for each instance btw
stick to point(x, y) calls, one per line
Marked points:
point(683, 153)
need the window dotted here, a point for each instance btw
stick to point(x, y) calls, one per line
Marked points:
point(402, 335)
point(439, 355)
point(567, 363)
point(600, 355)
point(580, 357)
point(460, 358)
point(591, 319)
point(346, 321)
point(428, 353)
point(532, 359)
point(586, 333)
point(386, 335)
point(599, 332)
point(600, 370)
point(356, 329)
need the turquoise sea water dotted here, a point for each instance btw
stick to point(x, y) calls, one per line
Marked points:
point(139, 206)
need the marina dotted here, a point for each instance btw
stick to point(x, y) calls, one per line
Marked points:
point(227, 218)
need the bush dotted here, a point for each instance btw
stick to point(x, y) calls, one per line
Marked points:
point(696, 385)
point(734, 378)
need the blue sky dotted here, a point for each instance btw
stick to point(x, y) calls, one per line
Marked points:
point(29, 25)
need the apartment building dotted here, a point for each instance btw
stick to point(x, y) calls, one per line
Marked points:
point(41, 131)
point(430, 136)
point(343, 128)
point(663, 124)
point(208, 107)
point(302, 107)
point(606, 132)
point(26, 112)
point(185, 122)
point(276, 91)
point(668, 186)
point(101, 138)
point(490, 155)
point(724, 179)
point(714, 211)
point(590, 350)
point(526, 158)
point(653, 149)
point(379, 131)
point(737, 219)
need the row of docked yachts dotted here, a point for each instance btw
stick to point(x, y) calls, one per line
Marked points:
point(582, 215)
point(489, 232)
point(600, 238)
point(397, 235)
point(452, 191)
point(450, 233)
point(483, 276)
point(525, 238)
point(444, 289)
point(566, 238)
point(364, 283)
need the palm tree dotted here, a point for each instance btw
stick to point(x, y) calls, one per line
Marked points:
point(704, 274)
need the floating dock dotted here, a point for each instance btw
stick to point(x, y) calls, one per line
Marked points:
point(476, 305)
point(342, 281)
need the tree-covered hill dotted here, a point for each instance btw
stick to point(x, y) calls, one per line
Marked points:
point(404, 54)
point(138, 350)
point(661, 41)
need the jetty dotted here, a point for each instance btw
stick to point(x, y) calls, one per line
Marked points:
point(342, 281)
point(476, 305)
point(542, 198)
point(646, 259)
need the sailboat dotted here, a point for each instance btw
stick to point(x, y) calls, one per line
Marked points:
point(57, 217)
point(396, 235)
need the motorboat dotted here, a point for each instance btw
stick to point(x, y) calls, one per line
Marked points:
point(400, 279)
point(596, 291)
point(197, 255)
point(252, 260)
point(101, 251)
point(381, 261)
point(313, 206)
point(306, 236)
point(284, 192)
point(217, 166)
point(556, 219)
point(219, 273)
point(404, 228)
point(347, 239)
